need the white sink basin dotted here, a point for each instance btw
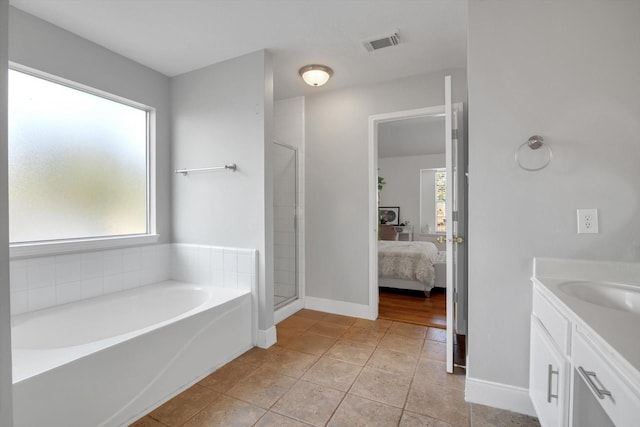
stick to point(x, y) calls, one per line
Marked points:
point(611, 295)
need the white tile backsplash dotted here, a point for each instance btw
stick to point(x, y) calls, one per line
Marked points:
point(91, 265)
point(244, 263)
point(230, 279)
point(131, 259)
point(184, 262)
point(164, 261)
point(18, 276)
point(217, 257)
point(244, 281)
point(230, 259)
point(131, 279)
point(218, 278)
point(41, 272)
point(41, 298)
point(19, 302)
point(112, 262)
point(148, 276)
point(203, 267)
point(148, 260)
point(38, 283)
point(68, 292)
point(68, 269)
point(92, 287)
point(113, 283)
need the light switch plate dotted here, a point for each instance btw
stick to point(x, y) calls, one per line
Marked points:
point(587, 221)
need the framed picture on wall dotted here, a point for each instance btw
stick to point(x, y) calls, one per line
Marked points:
point(389, 215)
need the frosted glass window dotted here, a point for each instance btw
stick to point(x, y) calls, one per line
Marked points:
point(77, 163)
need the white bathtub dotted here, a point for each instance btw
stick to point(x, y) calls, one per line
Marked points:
point(107, 360)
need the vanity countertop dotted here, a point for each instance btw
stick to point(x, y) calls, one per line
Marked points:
point(617, 331)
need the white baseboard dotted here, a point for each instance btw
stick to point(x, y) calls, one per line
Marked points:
point(283, 312)
point(502, 396)
point(266, 338)
point(337, 307)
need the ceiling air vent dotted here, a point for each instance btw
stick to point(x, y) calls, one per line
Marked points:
point(382, 41)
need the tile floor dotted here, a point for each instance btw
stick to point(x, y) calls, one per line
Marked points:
point(331, 370)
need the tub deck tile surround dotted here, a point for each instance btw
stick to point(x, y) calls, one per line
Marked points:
point(324, 372)
point(42, 282)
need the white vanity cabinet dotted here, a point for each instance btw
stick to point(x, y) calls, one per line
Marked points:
point(594, 372)
point(547, 378)
point(585, 357)
point(549, 368)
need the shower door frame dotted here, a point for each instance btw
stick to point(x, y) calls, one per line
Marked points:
point(280, 310)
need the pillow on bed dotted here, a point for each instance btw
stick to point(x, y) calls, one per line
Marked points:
point(387, 232)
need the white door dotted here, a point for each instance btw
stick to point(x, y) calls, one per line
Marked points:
point(454, 172)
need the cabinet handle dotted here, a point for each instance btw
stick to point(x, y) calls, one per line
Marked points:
point(550, 374)
point(601, 393)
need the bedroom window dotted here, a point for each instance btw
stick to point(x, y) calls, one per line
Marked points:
point(78, 162)
point(441, 199)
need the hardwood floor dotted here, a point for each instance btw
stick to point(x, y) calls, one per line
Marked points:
point(413, 307)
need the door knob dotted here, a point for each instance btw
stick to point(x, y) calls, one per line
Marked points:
point(456, 239)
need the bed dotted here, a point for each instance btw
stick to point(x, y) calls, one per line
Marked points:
point(408, 265)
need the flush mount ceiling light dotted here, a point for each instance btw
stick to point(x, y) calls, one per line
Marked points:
point(315, 75)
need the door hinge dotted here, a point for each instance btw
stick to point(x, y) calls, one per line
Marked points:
point(455, 296)
point(454, 216)
point(454, 133)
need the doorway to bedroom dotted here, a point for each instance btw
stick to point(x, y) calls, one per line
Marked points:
point(412, 215)
point(417, 211)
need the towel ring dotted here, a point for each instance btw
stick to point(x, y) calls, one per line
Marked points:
point(536, 161)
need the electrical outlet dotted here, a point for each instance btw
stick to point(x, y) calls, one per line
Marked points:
point(587, 221)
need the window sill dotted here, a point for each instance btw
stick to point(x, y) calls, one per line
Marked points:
point(24, 250)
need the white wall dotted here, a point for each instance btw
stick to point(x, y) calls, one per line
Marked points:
point(402, 177)
point(411, 137)
point(337, 177)
point(569, 71)
point(222, 114)
point(45, 47)
point(6, 402)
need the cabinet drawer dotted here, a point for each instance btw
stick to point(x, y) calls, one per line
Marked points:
point(555, 323)
point(618, 400)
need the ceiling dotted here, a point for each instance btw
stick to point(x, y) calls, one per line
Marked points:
point(411, 137)
point(177, 36)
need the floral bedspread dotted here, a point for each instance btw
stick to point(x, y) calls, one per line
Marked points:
point(407, 260)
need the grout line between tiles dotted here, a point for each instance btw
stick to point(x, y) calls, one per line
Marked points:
point(157, 420)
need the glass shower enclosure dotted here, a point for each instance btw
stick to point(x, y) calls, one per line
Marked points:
point(285, 202)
